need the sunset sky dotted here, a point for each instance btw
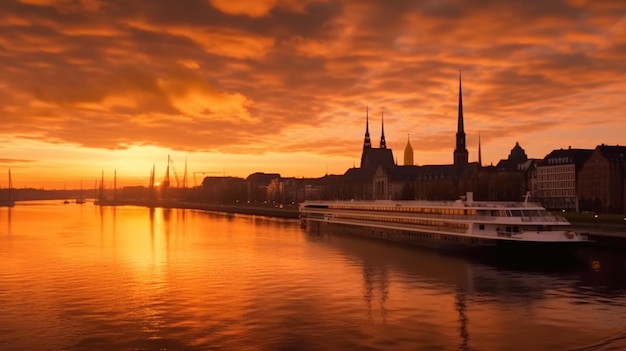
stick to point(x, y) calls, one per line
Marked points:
point(236, 87)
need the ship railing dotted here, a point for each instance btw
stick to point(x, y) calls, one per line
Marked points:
point(469, 218)
point(399, 226)
point(504, 233)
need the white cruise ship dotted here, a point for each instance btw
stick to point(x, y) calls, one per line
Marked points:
point(453, 225)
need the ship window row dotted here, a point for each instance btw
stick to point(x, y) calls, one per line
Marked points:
point(453, 238)
point(513, 213)
point(407, 220)
point(315, 215)
point(439, 237)
point(446, 211)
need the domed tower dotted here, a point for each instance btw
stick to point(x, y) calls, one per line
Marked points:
point(408, 153)
point(518, 154)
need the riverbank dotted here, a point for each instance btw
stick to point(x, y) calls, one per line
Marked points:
point(281, 211)
point(602, 234)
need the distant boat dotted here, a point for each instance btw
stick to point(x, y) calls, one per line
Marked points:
point(66, 202)
point(8, 201)
point(81, 199)
point(102, 200)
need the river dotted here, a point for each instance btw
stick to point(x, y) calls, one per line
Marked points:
point(84, 277)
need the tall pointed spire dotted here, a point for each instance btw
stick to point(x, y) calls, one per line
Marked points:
point(480, 158)
point(383, 143)
point(460, 126)
point(460, 152)
point(367, 143)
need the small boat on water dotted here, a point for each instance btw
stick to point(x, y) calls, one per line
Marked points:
point(463, 225)
point(80, 200)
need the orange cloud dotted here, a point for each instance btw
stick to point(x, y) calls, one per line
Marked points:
point(252, 8)
point(291, 76)
point(218, 41)
point(202, 102)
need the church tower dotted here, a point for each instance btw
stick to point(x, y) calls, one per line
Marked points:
point(460, 152)
point(383, 143)
point(408, 152)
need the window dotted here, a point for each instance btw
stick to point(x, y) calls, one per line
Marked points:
point(481, 226)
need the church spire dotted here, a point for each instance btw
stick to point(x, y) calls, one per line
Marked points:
point(460, 127)
point(480, 158)
point(460, 152)
point(367, 143)
point(383, 143)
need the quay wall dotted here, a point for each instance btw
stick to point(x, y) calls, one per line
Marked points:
point(260, 210)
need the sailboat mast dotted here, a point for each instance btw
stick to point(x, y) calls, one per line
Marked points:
point(114, 184)
point(101, 194)
point(151, 183)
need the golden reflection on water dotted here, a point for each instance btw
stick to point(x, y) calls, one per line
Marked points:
point(142, 278)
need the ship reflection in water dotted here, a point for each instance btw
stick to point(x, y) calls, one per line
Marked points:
point(495, 307)
point(133, 278)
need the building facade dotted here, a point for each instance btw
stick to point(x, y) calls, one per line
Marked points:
point(601, 180)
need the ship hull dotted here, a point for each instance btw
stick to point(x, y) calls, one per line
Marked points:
point(493, 250)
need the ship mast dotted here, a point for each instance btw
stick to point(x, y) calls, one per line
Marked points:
point(10, 187)
point(151, 182)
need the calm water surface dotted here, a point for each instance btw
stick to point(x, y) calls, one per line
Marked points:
point(83, 277)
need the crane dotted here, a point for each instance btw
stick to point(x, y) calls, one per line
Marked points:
point(166, 180)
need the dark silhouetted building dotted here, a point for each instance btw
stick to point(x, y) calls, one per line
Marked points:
point(601, 180)
point(257, 184)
